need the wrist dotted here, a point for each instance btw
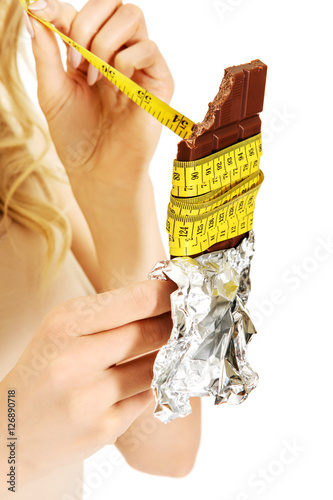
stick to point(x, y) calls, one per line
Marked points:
point(95, 195)
point(115, 177)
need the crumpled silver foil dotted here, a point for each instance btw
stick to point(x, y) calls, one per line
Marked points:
point(207, 351)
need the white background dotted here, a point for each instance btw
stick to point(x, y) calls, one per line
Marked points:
point(245, 450)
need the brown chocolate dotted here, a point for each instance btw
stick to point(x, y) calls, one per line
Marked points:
point(232, 117)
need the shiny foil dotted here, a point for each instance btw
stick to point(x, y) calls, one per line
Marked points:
point(207, 351)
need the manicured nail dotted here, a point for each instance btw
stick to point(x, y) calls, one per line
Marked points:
point(92, 75)
point(74, 57)
point(28, 24)
point(40, 4)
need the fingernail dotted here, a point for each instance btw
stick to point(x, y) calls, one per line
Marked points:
point(74, 57)
point(28, 24)
point(40, 4)
point(92, 75)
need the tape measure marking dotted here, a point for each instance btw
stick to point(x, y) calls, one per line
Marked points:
point(165, 114)
point(219, 170)
point(203, 204)
point(192, 234)
point(225, 184)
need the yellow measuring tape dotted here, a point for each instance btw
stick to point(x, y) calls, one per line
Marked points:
point(199, 215)
point(201, 205)
point(212, 199)
point(164, 113)
point(193, 234)
point(219, 170)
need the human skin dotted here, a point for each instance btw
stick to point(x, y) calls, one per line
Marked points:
point(113, 178)
point(88, 392)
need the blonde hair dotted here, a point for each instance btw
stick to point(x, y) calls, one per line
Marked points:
point(25, 193)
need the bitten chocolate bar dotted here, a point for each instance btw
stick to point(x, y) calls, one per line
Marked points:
point(232, 117)
point(206, 354)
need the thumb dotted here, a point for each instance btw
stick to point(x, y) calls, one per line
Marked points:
point(51, 75)
point(54, 84)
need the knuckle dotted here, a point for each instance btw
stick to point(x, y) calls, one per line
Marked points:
point(146, 337)
point(149, 368)
point(81, 32)
point(69, 10)
point(133, 12)
point(104, 430)
point(65, 20)
point(97, 45)
point(112, 426)
point(145, 371)
point(154, 332)
point(118, 385)
point(119, 60)
point(152, 48)
point(53, 10)
point(146, 298)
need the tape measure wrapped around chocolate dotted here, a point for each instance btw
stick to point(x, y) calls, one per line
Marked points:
point(211, 241)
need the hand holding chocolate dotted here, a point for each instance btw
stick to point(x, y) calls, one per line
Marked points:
point(207, 351)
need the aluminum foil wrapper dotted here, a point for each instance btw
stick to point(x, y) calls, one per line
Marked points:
point(207, 351)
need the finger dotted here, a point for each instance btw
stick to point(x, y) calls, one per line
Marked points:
point(121, 415)
point(125, 380)
point(144, 55)
point(145, 65)
point(51, 75)
point(108, 348)
point(105, 311)
point(88, 22)
point(61, 14)
point(126, 27)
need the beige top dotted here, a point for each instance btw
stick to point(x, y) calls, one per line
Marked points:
point(21, 312)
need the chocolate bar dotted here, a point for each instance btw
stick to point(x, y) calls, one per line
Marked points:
point(232, 117)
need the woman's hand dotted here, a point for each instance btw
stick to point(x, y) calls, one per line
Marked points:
point(95, 128)
point(76, 388)
point(103, 139)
